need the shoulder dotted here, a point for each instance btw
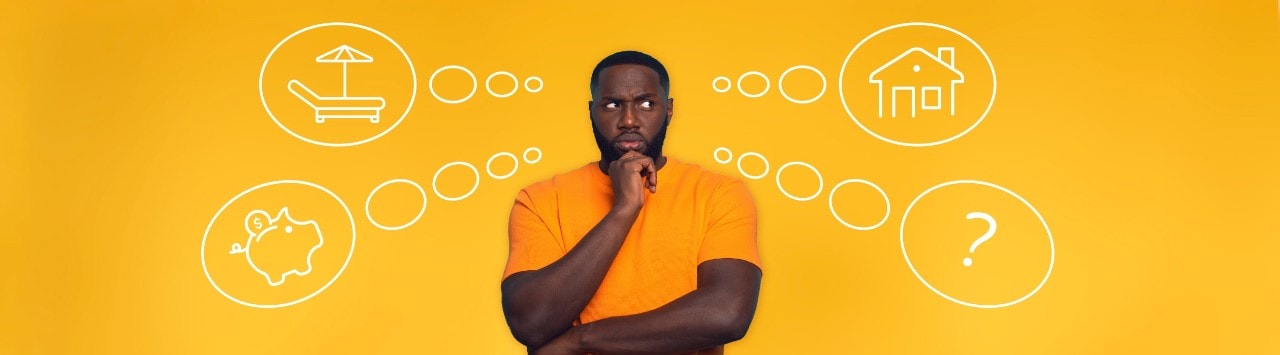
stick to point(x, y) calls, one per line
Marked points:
point(709, 181)
point(551, 187)
point(702, 176)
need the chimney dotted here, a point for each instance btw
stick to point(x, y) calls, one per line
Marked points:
point(947, 55)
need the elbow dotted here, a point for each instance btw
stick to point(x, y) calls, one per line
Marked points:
point(732, 324)
point(529, 333)
point(534, 328)
point(527, 322)
point(533, 340)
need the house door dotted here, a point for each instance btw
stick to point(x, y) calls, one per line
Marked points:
point(904, 96)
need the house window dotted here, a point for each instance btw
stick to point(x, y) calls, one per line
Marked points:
point(931, 97)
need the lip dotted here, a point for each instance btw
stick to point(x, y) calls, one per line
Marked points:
point(629, 145)
point(629, 142)
point(629, 137)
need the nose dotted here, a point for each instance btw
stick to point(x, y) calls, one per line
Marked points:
point(629, 122)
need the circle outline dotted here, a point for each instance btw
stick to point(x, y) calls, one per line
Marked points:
point(532, 78)
point(727, 82)
point(753, 177)
point(413, 95)
point(753, 72)
point(406, 225)
point(903, 244)
point(205, 240)
point(500, 72)
point(525, 155)
point(431, 84)
point(778, 179)
point(715, 155)
point(436, 177)
point(489, 163)
point(888, 207)
point(811, 68)
point(845, 103)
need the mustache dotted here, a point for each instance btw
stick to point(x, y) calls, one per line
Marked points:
point(630, 136)
point(610, 153)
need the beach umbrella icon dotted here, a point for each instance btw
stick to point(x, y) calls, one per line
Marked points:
point(344, 54)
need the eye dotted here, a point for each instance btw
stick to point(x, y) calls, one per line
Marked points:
point(611, 106)
point(646, 104)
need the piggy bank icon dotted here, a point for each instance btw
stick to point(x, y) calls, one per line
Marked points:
point(282, 245)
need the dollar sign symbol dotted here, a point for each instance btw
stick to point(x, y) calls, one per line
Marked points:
point(257, 222)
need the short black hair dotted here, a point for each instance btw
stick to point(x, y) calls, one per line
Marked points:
point(632, 57)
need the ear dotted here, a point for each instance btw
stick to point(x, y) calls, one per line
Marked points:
point(671, 107)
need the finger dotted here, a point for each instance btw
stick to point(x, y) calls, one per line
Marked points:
point(624, 158)
point(630, 154)
point(647, 170)
point(640, 164)
point(653, 177)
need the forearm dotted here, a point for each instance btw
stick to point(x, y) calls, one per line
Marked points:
point(542, 304)
point(696, 321)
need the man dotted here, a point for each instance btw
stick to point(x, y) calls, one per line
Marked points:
point(605, 259)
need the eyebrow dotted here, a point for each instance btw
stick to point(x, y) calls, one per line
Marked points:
point(641, 96)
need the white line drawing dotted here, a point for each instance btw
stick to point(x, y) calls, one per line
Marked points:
point(902, 242)
point(532, 79)
point(916, 57)
point(204, 243)
point(436, 177)
point(413, 75)
point(327, 107)
point(756, 73)
point(431, 84)
point(344, 54)
point(344, 106)
point(727, 84)
point(778, 180)
point(421, 210)
point(506, 74)
point(848, 109)
point(894, 94)
point(806, 67)
point(525, 155)
point(489, 164)
point(716, 155)
point(831, 204)
point(257, 229)
point(991, 231)
point(757, 155)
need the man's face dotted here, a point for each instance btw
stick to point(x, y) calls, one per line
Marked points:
point(629, 111)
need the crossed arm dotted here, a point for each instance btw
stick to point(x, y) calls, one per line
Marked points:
point(541, 305)
point(716, 313)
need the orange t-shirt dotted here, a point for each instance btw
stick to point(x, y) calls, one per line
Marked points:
point(695, 216)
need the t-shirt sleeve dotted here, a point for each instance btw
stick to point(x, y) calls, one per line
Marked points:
point(731, 232)
point(533, 246)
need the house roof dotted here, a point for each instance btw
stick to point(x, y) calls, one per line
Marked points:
point(872, 77)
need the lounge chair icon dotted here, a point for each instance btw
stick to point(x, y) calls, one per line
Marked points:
point(340, 107)
point(327, 107)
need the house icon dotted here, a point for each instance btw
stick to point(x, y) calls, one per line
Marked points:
point(919, 77)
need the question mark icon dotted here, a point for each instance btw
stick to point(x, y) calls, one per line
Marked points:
point(991, 231)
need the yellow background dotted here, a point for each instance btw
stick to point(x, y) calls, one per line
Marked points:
point(1144, 132)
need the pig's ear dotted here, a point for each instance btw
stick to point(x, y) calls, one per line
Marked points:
point(255, 221)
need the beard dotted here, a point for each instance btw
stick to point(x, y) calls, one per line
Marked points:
point(609, 151)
